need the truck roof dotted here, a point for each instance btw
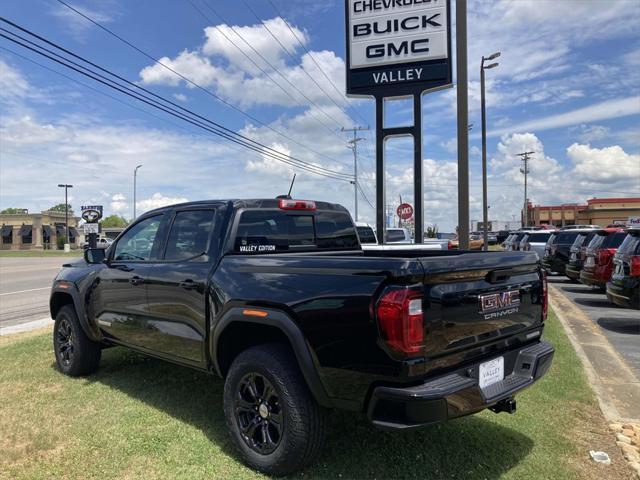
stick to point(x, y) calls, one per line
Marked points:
point(245, 203)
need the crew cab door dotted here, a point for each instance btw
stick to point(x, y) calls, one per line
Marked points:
point(177, 284)
point(119, 295)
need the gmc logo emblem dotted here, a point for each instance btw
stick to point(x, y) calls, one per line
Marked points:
point(499, 301)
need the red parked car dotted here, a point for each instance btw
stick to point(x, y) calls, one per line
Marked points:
point(598, 264)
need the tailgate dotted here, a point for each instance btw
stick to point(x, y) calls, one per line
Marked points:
point(474, 299)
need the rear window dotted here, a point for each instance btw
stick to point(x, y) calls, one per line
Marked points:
point(577, 243)
point(596, 241)
point(395, 235)
point(538, 237)
point(268, 231)
point(565, 238)
point(366, 235)
point(614, 240)
point(630, 245)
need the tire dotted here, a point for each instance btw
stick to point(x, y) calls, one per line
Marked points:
point(272, 374)
point(75, 353)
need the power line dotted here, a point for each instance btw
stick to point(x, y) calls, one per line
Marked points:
point(275, 37)
point(263, 59)
point(342, 95)
point(198, 121)
point(191, 82)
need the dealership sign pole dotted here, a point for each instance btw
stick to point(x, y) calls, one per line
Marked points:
point(92, 214)
point(398, 49)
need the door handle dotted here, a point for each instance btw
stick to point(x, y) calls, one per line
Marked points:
point(188, 284)
point(136, 280)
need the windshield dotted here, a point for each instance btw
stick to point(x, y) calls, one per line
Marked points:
point(538, 237)
point(614, 240)
point(395, 235)
point(366, 234)
point(566, 238)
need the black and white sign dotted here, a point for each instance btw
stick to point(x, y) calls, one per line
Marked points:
point(396, 47)
point(91, 213)
point(91, 228)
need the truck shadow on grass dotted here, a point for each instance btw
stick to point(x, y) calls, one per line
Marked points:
point(470, 447)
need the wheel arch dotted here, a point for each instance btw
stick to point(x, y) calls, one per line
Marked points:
point(65, 293)
point(235, 332)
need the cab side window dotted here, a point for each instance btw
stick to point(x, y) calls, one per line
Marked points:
point(137, 243)
point(189, 235)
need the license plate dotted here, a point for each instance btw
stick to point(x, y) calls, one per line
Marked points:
point(590, 262)
point(491, 372)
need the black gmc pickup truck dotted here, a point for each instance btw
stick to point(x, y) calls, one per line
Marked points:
point(277, 297)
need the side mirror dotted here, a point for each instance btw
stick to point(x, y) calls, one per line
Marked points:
point(94, 255)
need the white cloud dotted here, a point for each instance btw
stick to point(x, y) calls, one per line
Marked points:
point(222, 40)
point(181, 97)
point(103, 11)
point(616, 108)
point(118, 203)
point(592, 133)
point(158, 200)
point(608, 164)
point(12, 84)
point(188, 64)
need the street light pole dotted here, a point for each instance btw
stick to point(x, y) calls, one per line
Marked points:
point(66, 210)
point(463, 124)
point(135, 175)
point(485, 209)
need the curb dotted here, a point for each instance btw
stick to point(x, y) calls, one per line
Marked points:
point(616, 386)
point(25, 327)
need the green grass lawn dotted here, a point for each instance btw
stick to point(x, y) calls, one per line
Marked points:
point(143, 418)
point(40, 253)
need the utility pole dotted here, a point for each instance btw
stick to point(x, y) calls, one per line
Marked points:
point(485, 208)
point(66, 210)
point(525, 170)
point(353, 145)
point(463, 124)
point(135, 175)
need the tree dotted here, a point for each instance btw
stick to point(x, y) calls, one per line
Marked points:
point(61, 208)
point(432, 232)
point(114, 221)
point(14, 211)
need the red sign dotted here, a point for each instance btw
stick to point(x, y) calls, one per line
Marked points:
point(405, 211)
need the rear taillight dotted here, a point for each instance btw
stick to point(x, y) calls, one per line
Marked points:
point(399, 313)
point(545, 296)
point(634, 262)
point(288, 204)
point(450, 245)
point(604, 256)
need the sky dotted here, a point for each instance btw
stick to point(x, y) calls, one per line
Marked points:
point(567, 88)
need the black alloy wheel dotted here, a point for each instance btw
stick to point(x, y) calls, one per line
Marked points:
point(258, 413)
point(65, 342)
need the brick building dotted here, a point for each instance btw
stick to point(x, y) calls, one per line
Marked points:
point(35, 231)
point(597, 211)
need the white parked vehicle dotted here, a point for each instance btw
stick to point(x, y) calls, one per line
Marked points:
point(369, 240)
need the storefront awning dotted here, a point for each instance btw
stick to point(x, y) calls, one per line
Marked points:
point(47, 230)
point(59, 230)
point(6, 230)
point(73, 232)
point(25, 230)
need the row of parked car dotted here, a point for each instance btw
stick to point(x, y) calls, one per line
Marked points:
point(604, 258)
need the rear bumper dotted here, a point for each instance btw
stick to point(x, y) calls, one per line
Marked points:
point(624, 297)
point(552, 264)
point(589, 278)
point(457, 393)
point(572, 272)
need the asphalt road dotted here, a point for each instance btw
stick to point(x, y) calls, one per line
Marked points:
point(620, 325)
point(25, 284)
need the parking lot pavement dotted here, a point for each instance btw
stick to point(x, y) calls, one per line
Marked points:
point(25, 284)
point(620, 325)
